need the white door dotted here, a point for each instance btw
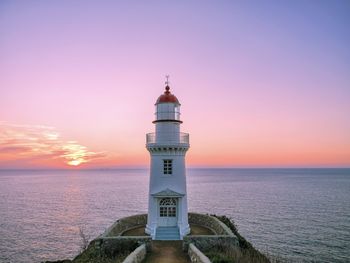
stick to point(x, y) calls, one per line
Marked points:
point(167, 213)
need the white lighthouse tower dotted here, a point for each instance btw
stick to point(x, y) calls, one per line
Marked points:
point(167, 205)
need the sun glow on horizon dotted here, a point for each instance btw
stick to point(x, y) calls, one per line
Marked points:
point(41, 145)
point(76, 162)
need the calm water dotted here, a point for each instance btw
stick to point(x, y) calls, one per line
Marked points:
point(301, 214)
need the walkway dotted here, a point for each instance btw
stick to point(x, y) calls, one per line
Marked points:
point(167, 252)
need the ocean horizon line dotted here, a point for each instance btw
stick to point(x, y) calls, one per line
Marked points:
point(189, 168)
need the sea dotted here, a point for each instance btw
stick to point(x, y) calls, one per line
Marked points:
point(299, 215)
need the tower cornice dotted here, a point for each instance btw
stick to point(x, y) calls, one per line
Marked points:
point(167, 120)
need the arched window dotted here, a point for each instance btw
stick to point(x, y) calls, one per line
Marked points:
point(168, 201)
point(167, 207)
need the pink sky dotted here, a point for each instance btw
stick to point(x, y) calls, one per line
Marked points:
point(261, 84)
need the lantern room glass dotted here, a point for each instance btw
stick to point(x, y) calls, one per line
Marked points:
point(167, 111)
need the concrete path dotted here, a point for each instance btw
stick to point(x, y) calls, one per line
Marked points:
point(167, 252)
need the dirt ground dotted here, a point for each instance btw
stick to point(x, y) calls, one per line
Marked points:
point(167, 252)
point(200, 230)
point(139, 231)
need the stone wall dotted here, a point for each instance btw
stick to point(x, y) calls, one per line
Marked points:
point(206, 242)
point(124, 224)
point(210, 222)
point(113, 246)
point(196, 255)
point(137, 255)
point(112, 243)
point(127, 223)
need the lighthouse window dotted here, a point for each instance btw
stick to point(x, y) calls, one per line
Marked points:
point(177, 113)
point(162, 211)
point(168, 166)
point(171, 211)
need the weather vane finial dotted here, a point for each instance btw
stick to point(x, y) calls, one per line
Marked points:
point(167, 80)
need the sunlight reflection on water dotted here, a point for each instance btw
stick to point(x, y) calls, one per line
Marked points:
point(301, 214)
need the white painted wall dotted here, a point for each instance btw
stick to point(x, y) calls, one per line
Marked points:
point(167, 134)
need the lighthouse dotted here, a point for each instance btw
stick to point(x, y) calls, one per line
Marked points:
point(167, 200)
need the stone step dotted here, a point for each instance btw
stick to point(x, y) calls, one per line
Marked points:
point(168, 238)
point(167, 233)
point(167, 230)
point(175, 237)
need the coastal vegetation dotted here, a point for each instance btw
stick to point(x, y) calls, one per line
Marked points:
point(228, 253)
point(123, 238)
point(93, 255)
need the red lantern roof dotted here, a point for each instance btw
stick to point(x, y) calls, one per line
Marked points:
point(167, 97)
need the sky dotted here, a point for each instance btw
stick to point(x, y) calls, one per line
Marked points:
point(261, 83)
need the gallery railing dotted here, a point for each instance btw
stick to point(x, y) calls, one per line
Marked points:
point(167, 138)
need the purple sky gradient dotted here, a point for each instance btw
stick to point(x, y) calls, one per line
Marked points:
point(262, 83)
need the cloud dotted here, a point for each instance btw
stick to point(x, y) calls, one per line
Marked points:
point(35, 144)
point(13, 149)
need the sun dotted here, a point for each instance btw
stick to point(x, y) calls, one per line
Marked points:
point(75, 162)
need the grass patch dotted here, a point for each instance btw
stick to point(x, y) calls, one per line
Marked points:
point(226, 253)
point(93, 255)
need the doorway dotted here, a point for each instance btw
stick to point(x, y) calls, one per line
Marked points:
point(167, 214)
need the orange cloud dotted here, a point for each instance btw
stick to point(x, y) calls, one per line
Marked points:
point(35, 145)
